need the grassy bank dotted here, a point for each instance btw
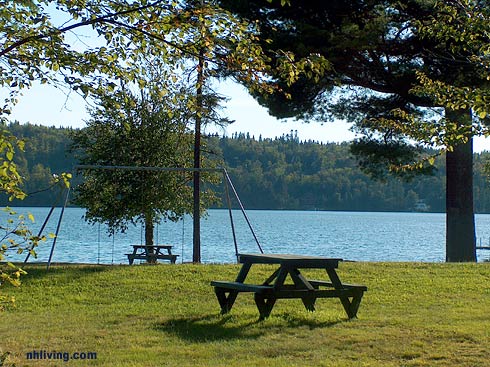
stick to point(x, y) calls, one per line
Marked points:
point(412, 315)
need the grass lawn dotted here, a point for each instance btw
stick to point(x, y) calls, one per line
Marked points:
point(167, 315)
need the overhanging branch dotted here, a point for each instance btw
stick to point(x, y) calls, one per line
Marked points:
point(101, 19)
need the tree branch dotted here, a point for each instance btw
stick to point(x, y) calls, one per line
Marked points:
point(103, 18)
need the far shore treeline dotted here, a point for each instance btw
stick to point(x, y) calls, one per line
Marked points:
point(282, 173)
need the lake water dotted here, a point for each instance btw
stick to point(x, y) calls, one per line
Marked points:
point(357, 236)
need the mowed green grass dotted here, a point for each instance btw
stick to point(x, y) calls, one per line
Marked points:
point(167, 315)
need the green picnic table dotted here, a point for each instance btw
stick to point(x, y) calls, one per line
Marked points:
point(275, 287)
point(152, 253)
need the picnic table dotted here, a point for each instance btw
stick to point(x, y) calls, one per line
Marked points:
point(152, 253)
point(275, 287)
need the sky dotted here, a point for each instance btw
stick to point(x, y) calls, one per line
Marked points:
point(46, 105)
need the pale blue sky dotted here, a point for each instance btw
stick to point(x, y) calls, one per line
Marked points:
point(46, 105)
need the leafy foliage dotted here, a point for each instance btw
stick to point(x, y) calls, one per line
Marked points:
point(389, 61)
point(15, 233)
point(286, 173)
point(84, 43)
point(10, 179)
point(40, 164)
point(136, 131)
point(36, 48)
point(15, 237)
point(462, 29)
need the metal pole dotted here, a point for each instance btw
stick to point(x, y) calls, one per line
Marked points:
point(58, 228)
point(243, 210)
point(143, 168)
point(98, 245)
point(40, 232)
point(228, 200)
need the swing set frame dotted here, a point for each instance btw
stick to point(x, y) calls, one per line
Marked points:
point(226, 180)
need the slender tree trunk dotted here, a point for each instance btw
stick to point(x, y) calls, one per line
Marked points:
point(460, 218)
point(196, 243)
point(149, 226)
point(196, 235)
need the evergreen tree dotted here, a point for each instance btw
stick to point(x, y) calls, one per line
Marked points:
point(378, 51)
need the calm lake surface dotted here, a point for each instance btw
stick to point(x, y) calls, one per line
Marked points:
point(360, 236)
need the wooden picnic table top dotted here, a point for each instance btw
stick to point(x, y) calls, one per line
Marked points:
point(152, 246)
point(297, 261)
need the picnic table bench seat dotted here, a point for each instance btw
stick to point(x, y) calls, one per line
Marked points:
point(290, 290)
point(322, 283)
point(242, 287)
point(132, 257)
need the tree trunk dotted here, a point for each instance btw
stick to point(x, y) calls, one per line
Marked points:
point(149, 226)
point(196, 237)
point(196, 232)
point(460, 218)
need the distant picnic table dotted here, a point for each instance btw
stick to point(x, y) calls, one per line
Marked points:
point(152, 253)
point(274, 287)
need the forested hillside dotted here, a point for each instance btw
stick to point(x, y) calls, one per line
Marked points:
point(286, 173)
point(45, 154)
point(282, 173)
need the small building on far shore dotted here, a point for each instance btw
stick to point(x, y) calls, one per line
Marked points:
point(421, 206)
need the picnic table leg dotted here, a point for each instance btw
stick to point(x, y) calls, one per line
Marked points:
point(131, 258)
point(240, 279)
point(225, 302)
point(349, 307)
point(280, 275)
point(356, 302)
point(264, 305)
point(272, 277)
point(301, 283)
point(172, 258)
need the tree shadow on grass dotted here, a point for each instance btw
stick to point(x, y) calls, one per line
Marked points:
point(209, 328)
point(70, 271)
point(227, 327)
point(295, 321)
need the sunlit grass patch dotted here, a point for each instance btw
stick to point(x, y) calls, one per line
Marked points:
point(167, 315)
